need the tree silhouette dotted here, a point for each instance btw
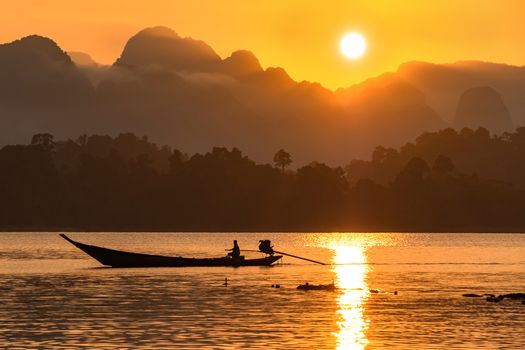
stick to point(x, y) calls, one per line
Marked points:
point(129, 183)
point(413, 175)
point(45, 140)
point(282, 159)
point(82, 140)
point(442, 165)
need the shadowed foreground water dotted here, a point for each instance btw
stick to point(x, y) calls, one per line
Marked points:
point(51, 295)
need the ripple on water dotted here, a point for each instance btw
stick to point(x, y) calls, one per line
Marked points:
point(62, 301)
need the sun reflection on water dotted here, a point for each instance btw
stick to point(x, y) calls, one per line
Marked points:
point(350, 271)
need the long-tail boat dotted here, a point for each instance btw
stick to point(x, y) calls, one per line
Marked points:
point(118, 258)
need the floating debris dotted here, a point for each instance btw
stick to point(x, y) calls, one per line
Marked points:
point(497, 299)
point(332, 287)
point(515, 296)
point(492, 298)
point(472, 295)
point(308, 286)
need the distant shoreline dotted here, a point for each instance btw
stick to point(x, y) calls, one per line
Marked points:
point(53, 230)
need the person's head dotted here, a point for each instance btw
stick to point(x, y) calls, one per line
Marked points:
point(235, 241)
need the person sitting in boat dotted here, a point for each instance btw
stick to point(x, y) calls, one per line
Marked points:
point(235, 251)
point(265, 246)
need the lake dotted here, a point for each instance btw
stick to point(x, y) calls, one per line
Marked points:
point(53, 295)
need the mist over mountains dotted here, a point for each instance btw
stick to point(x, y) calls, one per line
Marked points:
point(179, 92)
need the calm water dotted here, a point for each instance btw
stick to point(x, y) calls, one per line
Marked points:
point(52, 295)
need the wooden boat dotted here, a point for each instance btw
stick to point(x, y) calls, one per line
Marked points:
point(117, 258)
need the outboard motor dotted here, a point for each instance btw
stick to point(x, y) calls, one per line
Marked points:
point(265, 246)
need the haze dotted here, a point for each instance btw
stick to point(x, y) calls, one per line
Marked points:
point(341, 174)
point(300, 36)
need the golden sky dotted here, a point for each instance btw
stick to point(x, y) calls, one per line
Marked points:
point(300, 36)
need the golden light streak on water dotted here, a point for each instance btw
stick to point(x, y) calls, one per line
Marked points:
point(350, 278)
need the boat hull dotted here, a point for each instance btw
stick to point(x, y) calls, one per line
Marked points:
point(118, 258)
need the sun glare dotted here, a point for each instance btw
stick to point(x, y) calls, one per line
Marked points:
point(353, 45)
point(350, 273)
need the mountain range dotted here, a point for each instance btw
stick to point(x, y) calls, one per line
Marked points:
point(179, 92)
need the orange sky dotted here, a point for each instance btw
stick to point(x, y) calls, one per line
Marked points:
point(301, 36)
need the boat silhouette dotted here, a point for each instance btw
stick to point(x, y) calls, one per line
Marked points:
point(118, 258)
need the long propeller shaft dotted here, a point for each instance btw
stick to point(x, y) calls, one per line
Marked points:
point(299, 257)
point(283, 253)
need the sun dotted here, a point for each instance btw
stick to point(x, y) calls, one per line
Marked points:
point(353, 45)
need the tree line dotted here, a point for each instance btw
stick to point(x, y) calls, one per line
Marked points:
point(500, 157)
point(129, 183)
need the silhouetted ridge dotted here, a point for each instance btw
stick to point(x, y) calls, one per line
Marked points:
point(419, 67)
point(416, 66)
point(273, 77)
point(183, 94)
point(387, 88)
point(161, 46)
point(36, 45)
point(41, 90)
point(241, 63)
point(158, 32)
point(82, 59)
point(443, 84)
point(482, 106)
point(389, 108)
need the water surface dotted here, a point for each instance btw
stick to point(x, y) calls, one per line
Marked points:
point(52, 295)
